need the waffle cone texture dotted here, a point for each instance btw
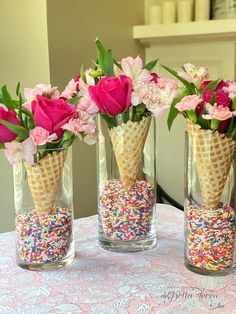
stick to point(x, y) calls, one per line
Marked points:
point(213, 153)
point(128, 140)
point(43, 179)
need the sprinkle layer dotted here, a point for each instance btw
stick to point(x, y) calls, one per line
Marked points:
point(210, 236)
point(126, 214)
point(45, 238)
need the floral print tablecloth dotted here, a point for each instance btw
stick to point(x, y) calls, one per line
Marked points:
point(103, 282)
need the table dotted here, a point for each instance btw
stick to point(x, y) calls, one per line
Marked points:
point(103, 282)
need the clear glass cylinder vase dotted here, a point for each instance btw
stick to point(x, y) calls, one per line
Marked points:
point(43, 196)
point(126, 183)
point(210, 222)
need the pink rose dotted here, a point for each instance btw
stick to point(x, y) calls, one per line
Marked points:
point(188, 103)
point(10, 116)
point(40, 136)
point(52, 114)
point(112, 95)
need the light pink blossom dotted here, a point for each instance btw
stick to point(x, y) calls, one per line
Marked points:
point(194, 75)
point(188, 103)
point(4, 107)
point(220, 113)
point(40, 136)
point(156, 99)
point(16, 152)
point(86, 104)
point(82, 126)
point(172, 85)
point(230, 89)
point(70, 90)
point(133, 68)
point(40, 89)
point(83, 86)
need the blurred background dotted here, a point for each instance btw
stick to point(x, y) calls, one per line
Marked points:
point(47, 42)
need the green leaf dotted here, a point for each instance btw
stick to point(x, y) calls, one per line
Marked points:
point(18, 89)
point(108, 65)
point(151, 65)
point(173, 112)
point(189, 86)
point(101, 51)
point(6, 97)
point(19, 130)
point(111, 121)
point(117, 64)
point(204, 123)
point(82, 74)
point(212, 85)
point(73, 100)
point(213, 99)
point(2, 146)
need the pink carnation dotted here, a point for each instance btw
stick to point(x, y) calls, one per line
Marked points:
point(40, 136)
point(84, 127)
point(188, 103)
point(16, 152)
point(86, 104)
point(220, 113)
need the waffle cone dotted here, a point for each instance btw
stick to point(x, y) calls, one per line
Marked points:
point(43, 179)
point(214, 155)
point(128, 141)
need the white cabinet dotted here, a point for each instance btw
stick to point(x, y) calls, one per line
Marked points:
point(213, 47)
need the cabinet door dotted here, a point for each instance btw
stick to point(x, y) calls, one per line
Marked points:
point(220, 59)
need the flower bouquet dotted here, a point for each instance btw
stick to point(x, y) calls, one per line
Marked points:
point(36, 131)
point(127, 95)
point(209, 108)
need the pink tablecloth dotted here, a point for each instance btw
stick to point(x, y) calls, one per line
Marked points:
point(102, 282)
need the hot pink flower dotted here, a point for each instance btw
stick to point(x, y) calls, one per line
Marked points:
point(188, 103)
point(133, 68)
point(10, 116)
point(52, 114)
point(40, 136)
point(220, 113)
point(112, 95)
point(16, 152)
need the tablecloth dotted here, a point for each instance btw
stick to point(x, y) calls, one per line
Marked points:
point(104, 282)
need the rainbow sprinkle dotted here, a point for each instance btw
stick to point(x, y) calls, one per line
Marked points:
point(210, 238)
point(126, 214)
point(43, 239)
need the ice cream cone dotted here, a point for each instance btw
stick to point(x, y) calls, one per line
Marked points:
point(213, 152)
point(128, 141)
point(43, 179)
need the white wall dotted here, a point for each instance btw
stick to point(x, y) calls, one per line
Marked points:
point(24, 58)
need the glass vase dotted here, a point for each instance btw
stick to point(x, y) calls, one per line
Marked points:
point(126, 183)
point(44, 211)
point(210, 213)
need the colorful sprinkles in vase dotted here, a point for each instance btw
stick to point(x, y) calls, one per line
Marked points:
point(126, 214)
point(43, 238)
point(210, 236)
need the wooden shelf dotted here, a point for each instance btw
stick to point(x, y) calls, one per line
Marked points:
point(214, 30)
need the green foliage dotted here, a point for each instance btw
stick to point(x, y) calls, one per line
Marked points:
point(151, 65)
point(18, 130)
point(213, 85)
point(105, 59)
point(6, 98)
point(173, 112)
